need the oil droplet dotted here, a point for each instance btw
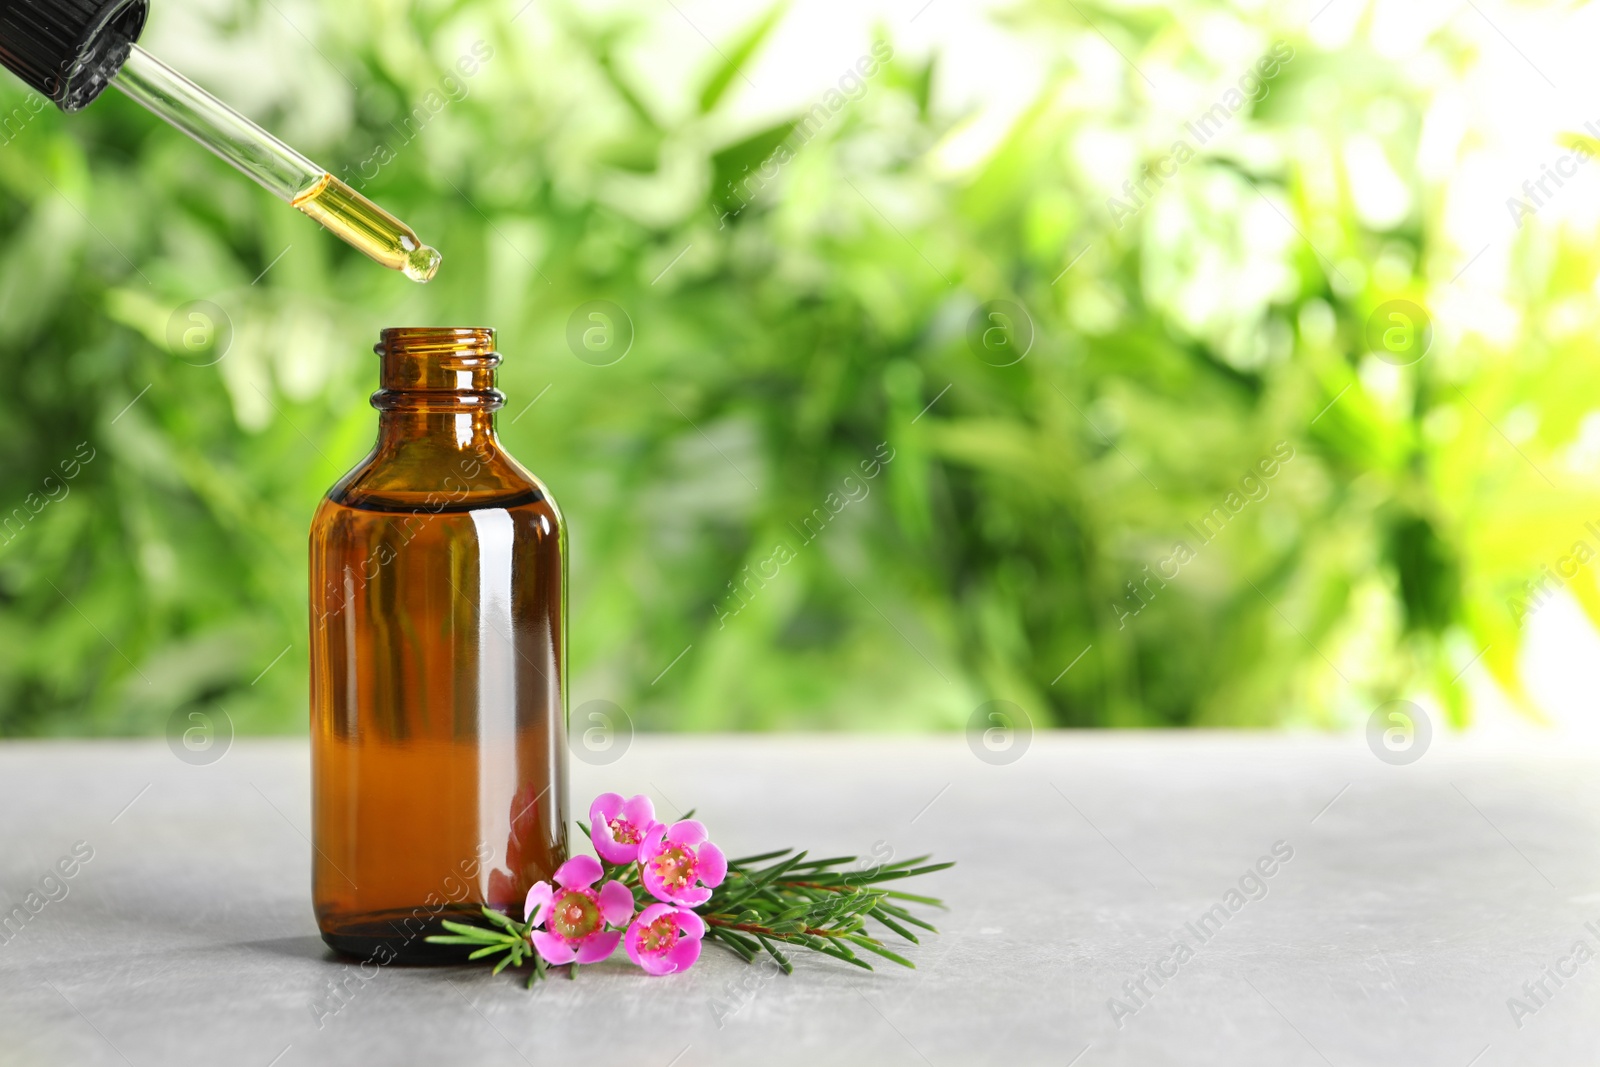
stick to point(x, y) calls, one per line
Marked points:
point(422, 263)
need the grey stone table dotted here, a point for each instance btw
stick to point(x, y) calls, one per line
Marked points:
point(1120, 899)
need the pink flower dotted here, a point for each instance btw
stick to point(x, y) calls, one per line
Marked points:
point(617, 826)
point(672, 859)
point(665, 939)
point(575, 917)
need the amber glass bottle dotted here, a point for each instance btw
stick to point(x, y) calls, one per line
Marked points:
point(438, 663)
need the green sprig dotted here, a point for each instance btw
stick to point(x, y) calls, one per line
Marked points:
point(509, 941)
point(820, 904)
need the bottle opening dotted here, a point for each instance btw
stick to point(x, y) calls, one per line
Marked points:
point(442, 341)
point(456, 360)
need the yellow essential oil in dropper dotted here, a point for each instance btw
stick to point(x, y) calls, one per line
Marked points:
point(286, 173)
point(72, 49)
point(364, 225)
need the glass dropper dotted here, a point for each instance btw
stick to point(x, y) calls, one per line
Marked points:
point(278, 168)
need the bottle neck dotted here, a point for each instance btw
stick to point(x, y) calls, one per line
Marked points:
point(437, 451)
point(462, 431)
point(437, 390)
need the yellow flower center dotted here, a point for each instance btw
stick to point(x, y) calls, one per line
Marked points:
point(675, 867)
point(574, 915)
point(660, 935)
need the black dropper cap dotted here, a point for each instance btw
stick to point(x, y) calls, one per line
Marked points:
point(69, 50)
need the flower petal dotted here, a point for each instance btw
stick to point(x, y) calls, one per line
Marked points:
point(655, 964)
point(687, 832)
point(651, 839)
point(580, 872)
point(691, 925)
point(713, 865)
point(683, 954)
point(692, 896)
point(597, 947)
point(652, 881)
point(605, 808)
point(538, 902)
point(552, 948)
point(630, 941)
point(651, 913)
point(616, 903)
point(611, 850)
point(639, 811)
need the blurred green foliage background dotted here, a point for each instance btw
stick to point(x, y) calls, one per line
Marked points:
point(786, 330)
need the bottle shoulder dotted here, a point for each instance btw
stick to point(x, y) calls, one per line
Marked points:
point(427, 478)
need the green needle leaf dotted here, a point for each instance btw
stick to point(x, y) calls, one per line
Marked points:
point(467, 930)
point(882, 917)
point(905, 916)
point(831, 861)
point(840, 952)
point(783, 961)
point(745, 861)
point(501, 920)
point(932, 902)
point(872, 946)
point(737, 942)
